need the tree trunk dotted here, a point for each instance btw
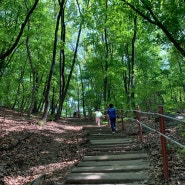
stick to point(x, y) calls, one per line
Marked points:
point(83, 92)
point(53, 107)
point(129, 75)
point(48, 85)
point(65, 88)
point(33, 74)
point(62, 61)
point(19, 86)
point(106, 58)
point(9, 51)
point(132, 95)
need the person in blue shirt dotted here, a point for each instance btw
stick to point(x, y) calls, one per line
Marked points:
point(112, 117)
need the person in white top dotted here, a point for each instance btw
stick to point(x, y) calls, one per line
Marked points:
point(98, 116)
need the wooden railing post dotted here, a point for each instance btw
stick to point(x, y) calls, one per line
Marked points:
point(163, 144)
point(139, 125)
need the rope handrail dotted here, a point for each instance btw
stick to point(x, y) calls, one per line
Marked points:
point(172, 140)
point(163, 115)
point(162, 134)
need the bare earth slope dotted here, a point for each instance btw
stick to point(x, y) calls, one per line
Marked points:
point(28, 150)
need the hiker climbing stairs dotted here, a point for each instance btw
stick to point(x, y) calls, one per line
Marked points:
point(110, 160)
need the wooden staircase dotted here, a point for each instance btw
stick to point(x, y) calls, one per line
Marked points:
point(110, 160)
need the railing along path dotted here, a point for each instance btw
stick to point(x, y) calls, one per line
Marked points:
point(162, 133)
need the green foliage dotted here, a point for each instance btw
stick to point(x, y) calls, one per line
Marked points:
point(182, 129)
point(105, 54)
point(183, 151)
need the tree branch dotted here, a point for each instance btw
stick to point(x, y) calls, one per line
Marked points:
point(9, 51)
point(158, 23)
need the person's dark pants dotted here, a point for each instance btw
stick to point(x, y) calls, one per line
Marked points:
point(113, 124)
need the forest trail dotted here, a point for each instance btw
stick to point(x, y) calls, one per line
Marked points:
point(110, 160)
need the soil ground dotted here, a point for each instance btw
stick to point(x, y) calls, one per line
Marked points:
point(28, 150)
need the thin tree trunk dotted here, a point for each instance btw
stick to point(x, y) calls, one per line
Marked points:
point(19, 86)
point(133, 64)
point(10, 50)
point(181, 74)
point(83, 92)
point(125, 80)
point(64, 91)
point(129, 74)
point(33, 78)
point(35, 106)
point(70, 74)
point(53, 107)
point(41, 100)
point(48, 85)
point(62, 60)
point(106, 58)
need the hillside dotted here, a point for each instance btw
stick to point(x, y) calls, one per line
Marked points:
point(29, 151)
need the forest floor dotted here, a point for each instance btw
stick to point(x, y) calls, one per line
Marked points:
point(29, 151)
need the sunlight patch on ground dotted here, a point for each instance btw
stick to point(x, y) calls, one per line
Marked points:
point(47, 169)
point(59, 139)
point(35, 172)
point(12, 180)
point(72, 127)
